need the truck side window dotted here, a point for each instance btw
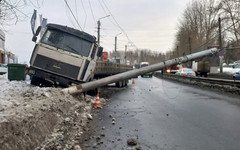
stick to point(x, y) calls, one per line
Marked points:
point(93, 51)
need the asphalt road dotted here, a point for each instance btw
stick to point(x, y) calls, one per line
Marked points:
point(164, 115)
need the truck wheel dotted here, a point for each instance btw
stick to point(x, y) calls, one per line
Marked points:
point(119, 84)
point(126, 82)
point(123, 83)
point(35, 81)
point(92, 92)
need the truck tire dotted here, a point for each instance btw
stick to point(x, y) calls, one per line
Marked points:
point(126, 82)
point(119, 84)
point(123, 83)
point(35, 81)
point(92, 92)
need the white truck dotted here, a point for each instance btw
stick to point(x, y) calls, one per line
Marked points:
point(201, 68)
point(65, 56)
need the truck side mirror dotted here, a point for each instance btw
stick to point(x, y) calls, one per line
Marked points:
point(100, 50)
point(34, 38)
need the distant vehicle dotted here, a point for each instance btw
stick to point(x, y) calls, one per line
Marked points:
point(144, 64)
point(173, 69)
point(236, 62)
point(186, 72)
point(236, 76)
point(201, 68)
point(136, 66)
point(3, 69)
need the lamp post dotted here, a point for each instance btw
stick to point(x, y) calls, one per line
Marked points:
point(116, 44)
point(99, 24)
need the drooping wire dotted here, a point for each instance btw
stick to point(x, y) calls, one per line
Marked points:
point(76, 10)
point(117, 24)
point(106, 13)
point(73, 15)
point(69, 16)
point(91, 11)
point(85, 20)
point(215, 35)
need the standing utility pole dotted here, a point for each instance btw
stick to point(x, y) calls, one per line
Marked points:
point(98, 31)
point(190, 50)
point(115, 45)
point(190, 45)
point(220, 44)
point(125, 57)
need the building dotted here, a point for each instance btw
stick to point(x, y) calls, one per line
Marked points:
point(2, 47)
point(6, 57)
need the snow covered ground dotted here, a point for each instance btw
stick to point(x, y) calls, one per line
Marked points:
point(229, 70)
point(41, 118)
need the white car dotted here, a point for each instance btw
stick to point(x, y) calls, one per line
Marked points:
point(3, 69)
point(186, 72)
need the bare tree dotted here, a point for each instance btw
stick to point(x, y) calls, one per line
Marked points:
point(197, 27)
point(230, 10)
point(11, 11)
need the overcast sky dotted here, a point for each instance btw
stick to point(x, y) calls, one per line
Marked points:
point(149, 24)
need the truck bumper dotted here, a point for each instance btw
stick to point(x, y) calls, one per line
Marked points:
point(49, 78)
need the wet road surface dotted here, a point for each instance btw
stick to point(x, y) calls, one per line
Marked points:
point(164, 115)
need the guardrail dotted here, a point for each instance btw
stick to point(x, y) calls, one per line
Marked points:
point(224, 84)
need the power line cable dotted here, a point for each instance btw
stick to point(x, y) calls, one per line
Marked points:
point(76, 10)
point(85, 20)
point(215, 35)
point(91, 11)
point(73, 15)
point(69, 17)
point(118, 24)
point(106, 12)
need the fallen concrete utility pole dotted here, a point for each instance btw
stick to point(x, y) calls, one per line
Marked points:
point(133, 73)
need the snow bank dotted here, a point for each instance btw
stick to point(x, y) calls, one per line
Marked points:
point(32, 117)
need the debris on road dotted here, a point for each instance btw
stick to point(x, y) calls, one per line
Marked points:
point(132, 141)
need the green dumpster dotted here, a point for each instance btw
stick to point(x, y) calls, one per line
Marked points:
point(16, 72)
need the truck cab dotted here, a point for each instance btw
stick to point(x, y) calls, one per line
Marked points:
point(63, 56)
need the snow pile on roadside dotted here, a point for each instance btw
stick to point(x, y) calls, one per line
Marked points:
point(230, 70)
point(43, 118)
point(10, 91)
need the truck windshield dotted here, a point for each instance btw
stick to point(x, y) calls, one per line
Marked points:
point(67, 42)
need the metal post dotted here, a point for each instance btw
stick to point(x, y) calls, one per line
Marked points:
point(220, 44)
point(125, 57)
point(133, 73)
point(177, 51)
point(116, 44)
point(98, 28)
point(98, 31)
point(115, 48)
point(190, 49)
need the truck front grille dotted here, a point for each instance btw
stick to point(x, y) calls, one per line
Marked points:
point(57, 67)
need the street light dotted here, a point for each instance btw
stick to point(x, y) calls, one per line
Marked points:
point(116, 44)
point(99, 24)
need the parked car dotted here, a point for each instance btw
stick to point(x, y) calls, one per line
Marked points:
point(186, 72)
point(236, 76)
point(3, 69)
